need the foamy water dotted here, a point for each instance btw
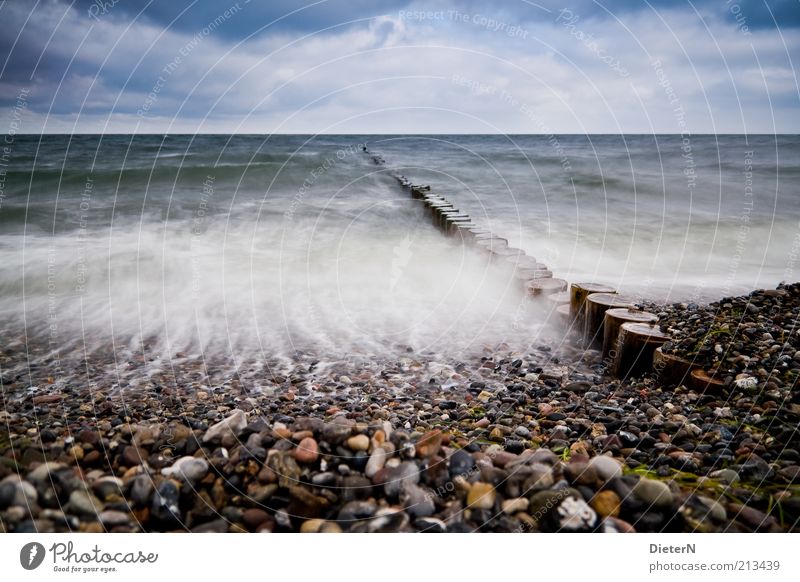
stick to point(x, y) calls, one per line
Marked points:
point(248, 247)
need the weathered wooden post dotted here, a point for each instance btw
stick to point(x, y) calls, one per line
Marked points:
point(449, 219)
point(501, 253)
point(558, 299)
point(491, 242)
point(614, 318)
point(594, 312)
point(541, 287)
point(579, 292)
point(635, 347)
point(703, 381)
point(462, 229)
point(524, 262)
point(563, 314)
point(672, 370)
point(530, 274)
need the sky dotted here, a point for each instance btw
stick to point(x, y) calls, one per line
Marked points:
point(396, 66)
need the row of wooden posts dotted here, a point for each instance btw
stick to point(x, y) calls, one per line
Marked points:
point(629, 337)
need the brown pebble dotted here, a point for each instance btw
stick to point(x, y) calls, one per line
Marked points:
point(496, 434)
point(360, 442)
point(254, 517)
point(429, 444)
point(131, 456)
point(47, 399)
point(307, 451)
point(481, 496)
point(76, 452)
point(92, 457)
point(606, 504)
point(301, 434)
point(282, 433)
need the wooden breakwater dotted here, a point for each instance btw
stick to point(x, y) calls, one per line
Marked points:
point(629, 337)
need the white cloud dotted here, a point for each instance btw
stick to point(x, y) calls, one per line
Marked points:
point(345, 79)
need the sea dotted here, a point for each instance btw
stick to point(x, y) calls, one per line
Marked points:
point(256, 246)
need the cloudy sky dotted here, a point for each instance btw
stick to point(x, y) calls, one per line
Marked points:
point(395, 66)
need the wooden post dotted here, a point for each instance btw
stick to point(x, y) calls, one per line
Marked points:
point(446, 221)
point(672, 370)
point(419, 191)
point(461, 229)
point(493, 242)
point(531, 274)
point(703, 381)
point(563, 313)
point(439, 210)
point(501, 253)
point(540, 287)
point(525, 262)
point(594, 312)
point(437, 206)
point(636, 344)
point(614, 318)
point(579, 292)
point(440, 215)
point(559, 299)
point(457, 217)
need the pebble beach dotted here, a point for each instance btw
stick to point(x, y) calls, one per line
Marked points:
point(542, 440)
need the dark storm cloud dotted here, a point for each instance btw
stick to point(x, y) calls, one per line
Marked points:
point(223, 66)
point(192, 15)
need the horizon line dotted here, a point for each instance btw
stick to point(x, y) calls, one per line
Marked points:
point(42, 134)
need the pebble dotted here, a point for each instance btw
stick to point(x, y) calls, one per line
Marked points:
point(515, 505)
point(522, 432)
point(355, 510)
point(42, 473)
point(727, 476)
point(574, 514)
point(81, 502)
point(376, 462)
point(114, 518)
point(141, 489)
point(397, 478)
point(330, 527)
point(429, 444)
point(461, 463)
point(540, 478)
point(255, 517)
point(653, 493)
point(606, 504)
point(703, 514)
point(417, 501)
point(307, 451)
point(481, 496)
point(232, 425)
point(165, 506)
point(605, 467)
point(390, 520)
point(359, 442)
point(312, 525)
point(562, 510)
point(189, 469)
point(16, 492)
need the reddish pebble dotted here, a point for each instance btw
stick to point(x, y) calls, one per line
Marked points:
point(47, 399)
point(307, 451)
point(429, 444)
